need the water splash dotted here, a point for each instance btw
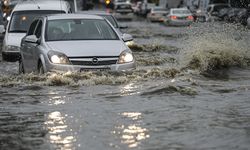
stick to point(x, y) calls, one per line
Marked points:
point(210, 50)
point(88, 78)
point(153, 47)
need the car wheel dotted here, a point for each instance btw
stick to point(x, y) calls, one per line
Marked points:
point(40, 68)
point(21, 68)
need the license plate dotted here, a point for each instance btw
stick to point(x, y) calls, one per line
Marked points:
point(93, 69)
point(123, 6)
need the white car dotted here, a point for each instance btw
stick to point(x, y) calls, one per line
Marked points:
point(123, 11)
point(179, 17)
point(20, 19)
point(74, 42)
point(157, 14)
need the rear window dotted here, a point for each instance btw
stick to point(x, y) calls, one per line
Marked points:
point(21, 20)
point(181, 12)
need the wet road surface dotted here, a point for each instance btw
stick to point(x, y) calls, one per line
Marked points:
point(190, 91)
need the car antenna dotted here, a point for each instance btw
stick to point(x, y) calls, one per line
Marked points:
point(35, 2)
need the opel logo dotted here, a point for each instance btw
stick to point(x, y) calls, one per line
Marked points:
point(94, 60)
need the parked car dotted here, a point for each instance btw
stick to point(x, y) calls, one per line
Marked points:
point(242, 16)
point(74, 42)
point(123, 10)
point(112, 20)
point(21, 17)
point(179, 17)
point(214, 10)
point(157, 14)
point(232, 14)
point(223, 12)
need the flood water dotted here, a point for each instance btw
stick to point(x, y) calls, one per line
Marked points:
point(190, 91)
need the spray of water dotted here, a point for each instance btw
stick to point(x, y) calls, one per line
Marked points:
point(209, 50)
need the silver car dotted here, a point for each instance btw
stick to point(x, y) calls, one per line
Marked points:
point(74, 42)
point(157, 14)
point(179, 17)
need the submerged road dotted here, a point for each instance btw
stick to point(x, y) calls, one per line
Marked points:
point(190, 91)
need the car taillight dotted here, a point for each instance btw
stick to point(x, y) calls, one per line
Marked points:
point(190, 18)
point(173, 17)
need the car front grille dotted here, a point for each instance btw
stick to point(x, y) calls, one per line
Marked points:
point(94, 61)
point(91, 63)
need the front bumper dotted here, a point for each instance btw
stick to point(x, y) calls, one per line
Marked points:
point(77, 68)
point(180, 22)
point(156, 18)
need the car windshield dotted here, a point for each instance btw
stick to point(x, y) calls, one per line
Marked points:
point(79, 29)
point(21, 20)
point(181, 12)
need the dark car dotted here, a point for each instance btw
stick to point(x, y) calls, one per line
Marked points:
point(214, 9)
point(222, 13)
point(242, 16)
point(232, 14)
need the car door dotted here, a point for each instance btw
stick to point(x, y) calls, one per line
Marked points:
point(35, 47)
point(26, 48)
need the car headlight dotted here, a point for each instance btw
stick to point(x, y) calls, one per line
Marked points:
point(125, 57)
point(130, 43)
point(58, 58)
point(13, 48)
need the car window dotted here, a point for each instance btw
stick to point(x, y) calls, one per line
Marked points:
point(32, 27)
point(111, 20)
point(21, 20)
point(38, 30)
point(181, 12)
point(217, 8)
point(79, 29)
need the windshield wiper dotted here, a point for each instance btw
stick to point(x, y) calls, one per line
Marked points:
point(18, 31)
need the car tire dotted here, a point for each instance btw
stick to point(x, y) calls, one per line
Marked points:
point(21, 68)
point(40, 69)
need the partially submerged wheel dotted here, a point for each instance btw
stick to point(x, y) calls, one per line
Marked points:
point(21, 68)
point(40, 68)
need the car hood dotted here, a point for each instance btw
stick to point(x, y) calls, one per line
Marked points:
point(88, 48)
point(14, 39)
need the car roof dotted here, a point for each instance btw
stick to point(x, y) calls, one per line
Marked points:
point(225, 4)
point(73, 16)
point(41, 5)
point(178, 9)
point(95, 12)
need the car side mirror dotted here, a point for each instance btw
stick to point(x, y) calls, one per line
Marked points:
point(123, 26)
point(31, 39)
point(127, 37)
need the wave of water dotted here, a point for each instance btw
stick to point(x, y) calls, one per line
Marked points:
point(88, 78)
point(209, 50)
